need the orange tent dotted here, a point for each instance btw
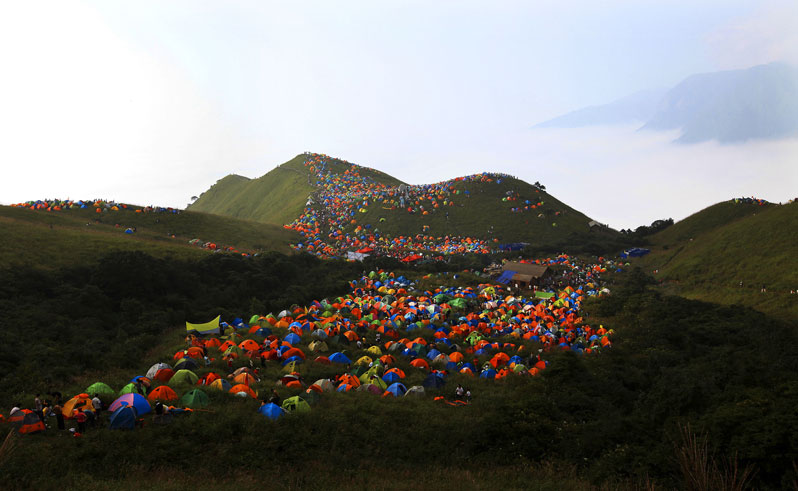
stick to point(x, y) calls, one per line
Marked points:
point(81, 402)
point(163, 393)
point(245, 389)
point(249, 345)
point(420, 363)
point(244, 378)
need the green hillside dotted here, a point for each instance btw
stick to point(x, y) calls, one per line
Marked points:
point(72, 237)
point(276, 197)
point(484, 213)
point(708, 254)
point(490, 207)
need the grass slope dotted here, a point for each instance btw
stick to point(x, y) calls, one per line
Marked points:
point(63, 238)
point(708, 254)
point(483, 214)
point(277, 197)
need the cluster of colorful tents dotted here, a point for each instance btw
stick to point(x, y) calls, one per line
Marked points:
point(99, 206)
point(330, 226)
point(471, 331)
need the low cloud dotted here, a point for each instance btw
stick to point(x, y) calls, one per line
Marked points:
point(767, 36)
point(618, 175)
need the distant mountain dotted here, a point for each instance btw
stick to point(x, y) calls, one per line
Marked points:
point(636, 108)
point(732, 106)
point(728, 106)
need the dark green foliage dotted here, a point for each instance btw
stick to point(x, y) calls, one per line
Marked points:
point(66, 322)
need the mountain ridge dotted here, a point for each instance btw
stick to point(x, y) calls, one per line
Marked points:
point(730, 106)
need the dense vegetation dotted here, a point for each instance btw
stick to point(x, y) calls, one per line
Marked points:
point(59, 324)
point(729, 372)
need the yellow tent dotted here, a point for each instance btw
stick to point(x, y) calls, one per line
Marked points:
point(211, 327)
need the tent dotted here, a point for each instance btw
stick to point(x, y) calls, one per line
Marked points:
point(26, 421)
point(195, 398)
point(433, 381)
point(211, 327)
point(80, 402)
point(318, 346)
point(162, 393)
point(339, 357)
point(221, 384)
point(323, 385)
point(186, 364)
point(101, 389)
point(396, 389)
point(415, 390)
point(183, 377)
point(123, 418)
point(296, 404)
point(271, 411)
point(243, 389)
point(138, 401)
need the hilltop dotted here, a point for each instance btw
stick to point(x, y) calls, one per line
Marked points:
point(708, 254)
point(72, 236)
point(339, 206)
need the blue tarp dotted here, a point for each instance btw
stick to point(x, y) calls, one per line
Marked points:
point(505, 277)
point(635, 252)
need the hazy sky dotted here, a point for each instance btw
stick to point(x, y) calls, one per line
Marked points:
point(152, 102)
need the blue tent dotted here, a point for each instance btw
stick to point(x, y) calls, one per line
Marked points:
point(124, 418)
point(339, 357)
point(391, 377)
point(263, 332)
point(491, 373)
point(397, 389)
point(433, 353)
point(292, 339)
point(433, 381)
point(271, 411)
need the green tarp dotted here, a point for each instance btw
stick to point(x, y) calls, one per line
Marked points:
point(544, 295)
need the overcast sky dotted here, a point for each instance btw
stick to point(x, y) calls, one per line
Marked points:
point(151, 102)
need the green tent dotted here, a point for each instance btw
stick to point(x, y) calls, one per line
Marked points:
point(458, 303)
point(296, 404)
point(100, 388)
point(194, 399)
point(254, 319)
point(128, 389)
point(311, 396)
point(441, 298)
point(184, 377)
point(474, 338)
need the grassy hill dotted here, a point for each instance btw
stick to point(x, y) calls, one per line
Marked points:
point(276, 197)
point(500, 210)
point(708, 254)
point(479, 209)
point(74, 237)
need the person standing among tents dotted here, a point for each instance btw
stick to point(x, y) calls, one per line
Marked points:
point(38, 407)
point(158, 416)
point(275, 398)
point(98, 406)
point(81, 418)
point(59, 416)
